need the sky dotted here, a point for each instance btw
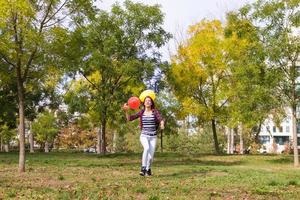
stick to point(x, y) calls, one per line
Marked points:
point(179, 14)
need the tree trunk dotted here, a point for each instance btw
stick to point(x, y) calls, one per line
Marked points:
point(232, 140)
point(46, 147)
point(31, 142)
point(227, 130)
point(257, 132)
point(295, 139)
point(241, 139)
point(103, 138)
point(6, 148)
point(1, 144)
point(98, 140)
point(115, 139)
point(161, 141)
point(21, 121)
point(216, 143)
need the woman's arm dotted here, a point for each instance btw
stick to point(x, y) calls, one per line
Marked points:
point(125, 108)
point(130, 117)
point(160, 119)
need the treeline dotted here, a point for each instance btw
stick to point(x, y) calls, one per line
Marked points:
point(66, 68)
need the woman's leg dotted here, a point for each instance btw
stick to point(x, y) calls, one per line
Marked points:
point(145, 144)
point(152, 145)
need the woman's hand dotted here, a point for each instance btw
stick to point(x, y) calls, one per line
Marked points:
point(125, 107)
point(162, 125)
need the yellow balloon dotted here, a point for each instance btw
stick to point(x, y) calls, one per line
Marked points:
point(146, 93)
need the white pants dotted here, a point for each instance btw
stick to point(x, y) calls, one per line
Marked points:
point(149, 144)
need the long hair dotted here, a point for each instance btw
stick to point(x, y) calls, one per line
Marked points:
point(152, 103)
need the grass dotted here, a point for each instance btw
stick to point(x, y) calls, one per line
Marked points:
point(175, 176)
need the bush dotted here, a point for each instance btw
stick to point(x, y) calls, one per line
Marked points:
point(189, 144)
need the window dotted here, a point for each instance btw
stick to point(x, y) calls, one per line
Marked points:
point(280, 129)
point(298, 128)
point(281, 140)
point(274, 129)
point(287, 119)
point(264, 139)
point(287, 129)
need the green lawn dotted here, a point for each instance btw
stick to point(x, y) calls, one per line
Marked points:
point(175, 176)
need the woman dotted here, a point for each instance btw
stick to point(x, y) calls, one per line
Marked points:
point(149, 121)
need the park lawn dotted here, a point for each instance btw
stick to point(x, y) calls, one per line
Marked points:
point(115, 176)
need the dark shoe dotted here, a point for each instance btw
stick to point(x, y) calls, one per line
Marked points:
point(148, 172)
point(143, 171)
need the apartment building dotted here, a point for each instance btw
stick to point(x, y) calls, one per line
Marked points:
point(275, 139)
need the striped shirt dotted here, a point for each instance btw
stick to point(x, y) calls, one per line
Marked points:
point(139, 114)
point(149, 125)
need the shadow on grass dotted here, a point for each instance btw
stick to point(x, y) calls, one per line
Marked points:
point(116, 155)
point(197, 162)
point(158, 163)
point(116, 159)
point(9, 158)
point(161, 159)
point(183, 174)
point(284, 160)
point(132, 154)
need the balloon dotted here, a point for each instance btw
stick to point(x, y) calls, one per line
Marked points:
point(134, 103)
point(146, 93)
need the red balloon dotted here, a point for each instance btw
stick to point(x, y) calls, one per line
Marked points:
point(134, 102)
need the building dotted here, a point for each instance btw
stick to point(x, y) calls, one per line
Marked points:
point(277, 139)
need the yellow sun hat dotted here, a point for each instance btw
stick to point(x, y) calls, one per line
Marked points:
point(146, 93)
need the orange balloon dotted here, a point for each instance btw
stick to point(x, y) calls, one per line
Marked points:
point(134, 103)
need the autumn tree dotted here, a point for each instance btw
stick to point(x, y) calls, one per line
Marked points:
point(198, 74)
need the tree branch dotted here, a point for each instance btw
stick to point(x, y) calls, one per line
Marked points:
point(7, 60)
point(32, 55)
point(95, 86)
point(223, 103)
point(56, 22)
point(29, 62)
point(57, 11)
point(43, 22)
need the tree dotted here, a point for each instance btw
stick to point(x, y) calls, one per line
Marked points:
point(46, 128)
point(276, 22)
point(251, 85)
point(23, 48)
point(6, 135)
point(74, 136)
point(8, 110)
point(168, 107)
point(198, 73)
point(118, 50)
